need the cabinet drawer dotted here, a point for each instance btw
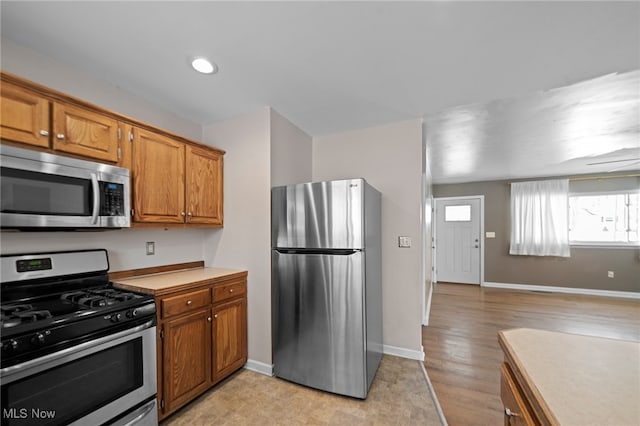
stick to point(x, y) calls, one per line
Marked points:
point(516, 411)
point(228, 291)
point(174, 305)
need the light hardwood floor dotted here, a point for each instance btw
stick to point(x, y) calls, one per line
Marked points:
point(461, 345)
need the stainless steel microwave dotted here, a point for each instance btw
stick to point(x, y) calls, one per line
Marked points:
point(41, 190)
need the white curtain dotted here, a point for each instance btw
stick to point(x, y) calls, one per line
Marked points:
point(540, 218)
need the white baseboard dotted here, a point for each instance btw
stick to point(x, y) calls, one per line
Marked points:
point(403, 352)
point(569, 290)
point(259, 367)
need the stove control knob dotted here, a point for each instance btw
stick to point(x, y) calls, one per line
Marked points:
point(132, 313)
point(10, 345)
point(38, 339)
point(116, 317)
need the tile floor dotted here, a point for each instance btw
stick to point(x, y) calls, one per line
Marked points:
point(399, 395)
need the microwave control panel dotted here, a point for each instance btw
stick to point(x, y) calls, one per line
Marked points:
point(111, 199)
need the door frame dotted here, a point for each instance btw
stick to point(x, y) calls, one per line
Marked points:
point(436, 201)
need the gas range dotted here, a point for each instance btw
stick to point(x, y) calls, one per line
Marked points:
point(46, 307)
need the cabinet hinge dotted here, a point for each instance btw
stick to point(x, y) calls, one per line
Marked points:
point(162, 403)
point(119, 133)
point(162, 333)
point(132, 212)
point(119, 153)
point(130, 136)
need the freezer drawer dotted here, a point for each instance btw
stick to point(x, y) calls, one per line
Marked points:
point(319, 324)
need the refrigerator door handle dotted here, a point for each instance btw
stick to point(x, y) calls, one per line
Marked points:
point(331, 252)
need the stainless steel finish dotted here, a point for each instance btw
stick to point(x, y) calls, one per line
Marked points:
point(318, 215)
point(326, 285)
point(320, 337)
point(60, 136)
point(33, 366)
point(44, 133)
point(24, 159)
point(62, 263)
point(96, 198)
point(147, 415)
point(118, 406)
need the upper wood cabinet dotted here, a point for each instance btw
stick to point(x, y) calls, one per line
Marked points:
point(203, 186)
point(24, 116)
point(84, 132)
point(175, 182)
point(30, 118)
point(158, 178)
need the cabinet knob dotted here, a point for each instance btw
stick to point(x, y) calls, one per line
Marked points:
point(209, 319)
point(44, 133)
point(182, 214)
point(60, 136)
point(510, 413)
point(189, 302)
point(215, 316)
point(230, 290)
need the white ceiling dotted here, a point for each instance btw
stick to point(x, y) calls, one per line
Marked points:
point(335, 66)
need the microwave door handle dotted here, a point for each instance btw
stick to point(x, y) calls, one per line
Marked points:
point(96, 198)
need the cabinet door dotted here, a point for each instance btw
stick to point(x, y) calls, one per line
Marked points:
point(203, 190)
point(24, 116)
point(187, 358)
point(229, 338)
point(158, 178)
point(84, 132)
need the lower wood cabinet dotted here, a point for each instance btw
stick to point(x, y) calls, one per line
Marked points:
point(203, 339)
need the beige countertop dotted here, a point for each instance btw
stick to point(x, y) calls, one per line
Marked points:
point(581, 380)
point(165, 282)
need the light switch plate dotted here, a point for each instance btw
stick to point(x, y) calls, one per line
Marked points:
point(404, 242)
point(490, 234)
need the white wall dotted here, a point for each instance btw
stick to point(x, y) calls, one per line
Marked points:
point(126, 247)
point(245, 240)
point(389, 157)
point(291, 150)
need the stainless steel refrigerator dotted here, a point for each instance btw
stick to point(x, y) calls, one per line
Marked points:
point(326, 285)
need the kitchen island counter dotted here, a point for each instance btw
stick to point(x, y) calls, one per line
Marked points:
point(567, 379)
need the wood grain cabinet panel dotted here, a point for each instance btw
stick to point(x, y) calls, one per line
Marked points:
point(203, 189)
point(516, 410)
point(187, 358)
point(24, 116)
point(181, 364)
point(158, 178)
point(84, 132)
point(229, 338)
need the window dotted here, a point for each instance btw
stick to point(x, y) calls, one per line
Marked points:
point(605, 218)
point(457, 213)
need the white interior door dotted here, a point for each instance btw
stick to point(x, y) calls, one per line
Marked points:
point(458, 240)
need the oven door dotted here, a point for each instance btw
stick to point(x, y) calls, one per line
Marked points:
point(97, 382)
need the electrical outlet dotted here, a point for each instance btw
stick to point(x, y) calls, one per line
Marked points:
point(610, 274)
point(151, 248)
point(404, 242)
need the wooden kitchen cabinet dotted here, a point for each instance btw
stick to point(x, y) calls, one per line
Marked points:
point(84, 132)
point(158, 178)
point(229, 337)
point(176, 183)
point(203, 186)
point(24, 116)
point(186, 365)
point(202, 323)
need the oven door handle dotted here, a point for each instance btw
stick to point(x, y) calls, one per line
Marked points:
point(83, 347)
point(96, 198)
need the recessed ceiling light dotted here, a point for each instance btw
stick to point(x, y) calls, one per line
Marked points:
point(204, 66)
